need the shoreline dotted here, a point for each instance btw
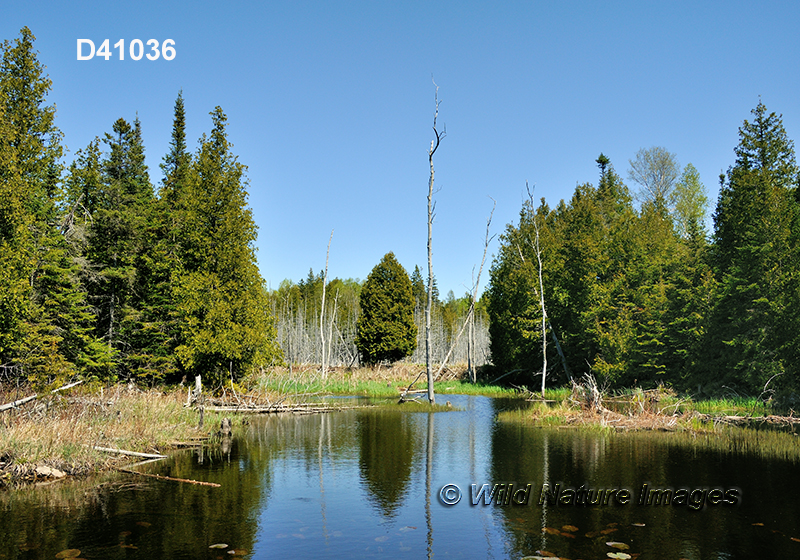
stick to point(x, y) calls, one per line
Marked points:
point(63, 435)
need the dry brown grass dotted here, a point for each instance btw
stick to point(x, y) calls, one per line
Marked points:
point(60, 431)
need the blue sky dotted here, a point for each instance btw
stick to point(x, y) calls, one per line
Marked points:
point(330, 105)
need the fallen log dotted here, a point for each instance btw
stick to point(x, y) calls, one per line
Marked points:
point(299, 409)
point(171, 479)
point(131, 453)
point(19, 402)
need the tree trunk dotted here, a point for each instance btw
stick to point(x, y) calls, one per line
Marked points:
point(428, 341)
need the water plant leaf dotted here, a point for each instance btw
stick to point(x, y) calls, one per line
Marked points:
point(219, 545)
point(69, 553)
point(618, 545)
point(618, 555)
point(570, 528)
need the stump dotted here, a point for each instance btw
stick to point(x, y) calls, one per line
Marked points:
point(225, 427)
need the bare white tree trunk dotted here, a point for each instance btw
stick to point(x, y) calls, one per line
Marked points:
point(434, 147)
point(538, 250)
point(471, 312)
point(322, 308)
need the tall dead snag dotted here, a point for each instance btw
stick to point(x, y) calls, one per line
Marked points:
point(471, 316)
point(538, 250)
point(428, 341)
point(322, 309)
point(468, 321)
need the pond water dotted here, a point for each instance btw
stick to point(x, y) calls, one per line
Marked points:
point(372, 483)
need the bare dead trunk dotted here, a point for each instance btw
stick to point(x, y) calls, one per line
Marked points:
point(431, 206)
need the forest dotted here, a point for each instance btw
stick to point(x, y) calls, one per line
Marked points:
point(110, 276)
point(639, 293)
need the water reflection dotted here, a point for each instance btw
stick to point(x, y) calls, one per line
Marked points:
point(366, 483)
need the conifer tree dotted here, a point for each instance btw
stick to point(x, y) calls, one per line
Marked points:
point(755, 255)
point(226, 325)
point(386, 328)
point(46, 322)
point(116, 242)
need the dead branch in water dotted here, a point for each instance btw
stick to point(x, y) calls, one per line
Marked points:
point(171, 479)
point(130, 453)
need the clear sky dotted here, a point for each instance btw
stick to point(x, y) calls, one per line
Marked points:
point(330, 105)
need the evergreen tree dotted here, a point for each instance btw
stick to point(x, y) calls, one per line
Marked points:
point(226, 325)
point(116, 242)
point(386, 328)
point(158, 334)
point(46, 322)
point(418, 288)
point(755, 256)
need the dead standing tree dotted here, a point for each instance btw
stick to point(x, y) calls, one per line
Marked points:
point(469, 320)
point(322, 310)
point(537, 249)
point(431, 206)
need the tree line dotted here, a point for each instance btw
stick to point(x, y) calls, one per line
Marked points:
point(103, 274)
point(297, 308)
point(108, 275)
point(644, 294)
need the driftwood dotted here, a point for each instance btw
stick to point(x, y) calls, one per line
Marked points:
point(771, 421)
point(309, 408)
point(170, 478)
point(131, 453)
point(15, 404)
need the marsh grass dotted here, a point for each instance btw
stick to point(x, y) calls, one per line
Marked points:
point(61, 431)
point(373, 382)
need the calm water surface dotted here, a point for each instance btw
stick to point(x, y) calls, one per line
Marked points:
point(365, 484)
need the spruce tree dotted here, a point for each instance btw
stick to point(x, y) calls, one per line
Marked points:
point(116, 242)
point(386, 328)
point(46, 322)
point(755, 254)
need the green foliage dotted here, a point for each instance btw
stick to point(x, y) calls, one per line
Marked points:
point(691, 203)
point(226, 326)
point(100, 277)
point(610, 276)
point(751, 335)
point(46, 324)
point(386, 328)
